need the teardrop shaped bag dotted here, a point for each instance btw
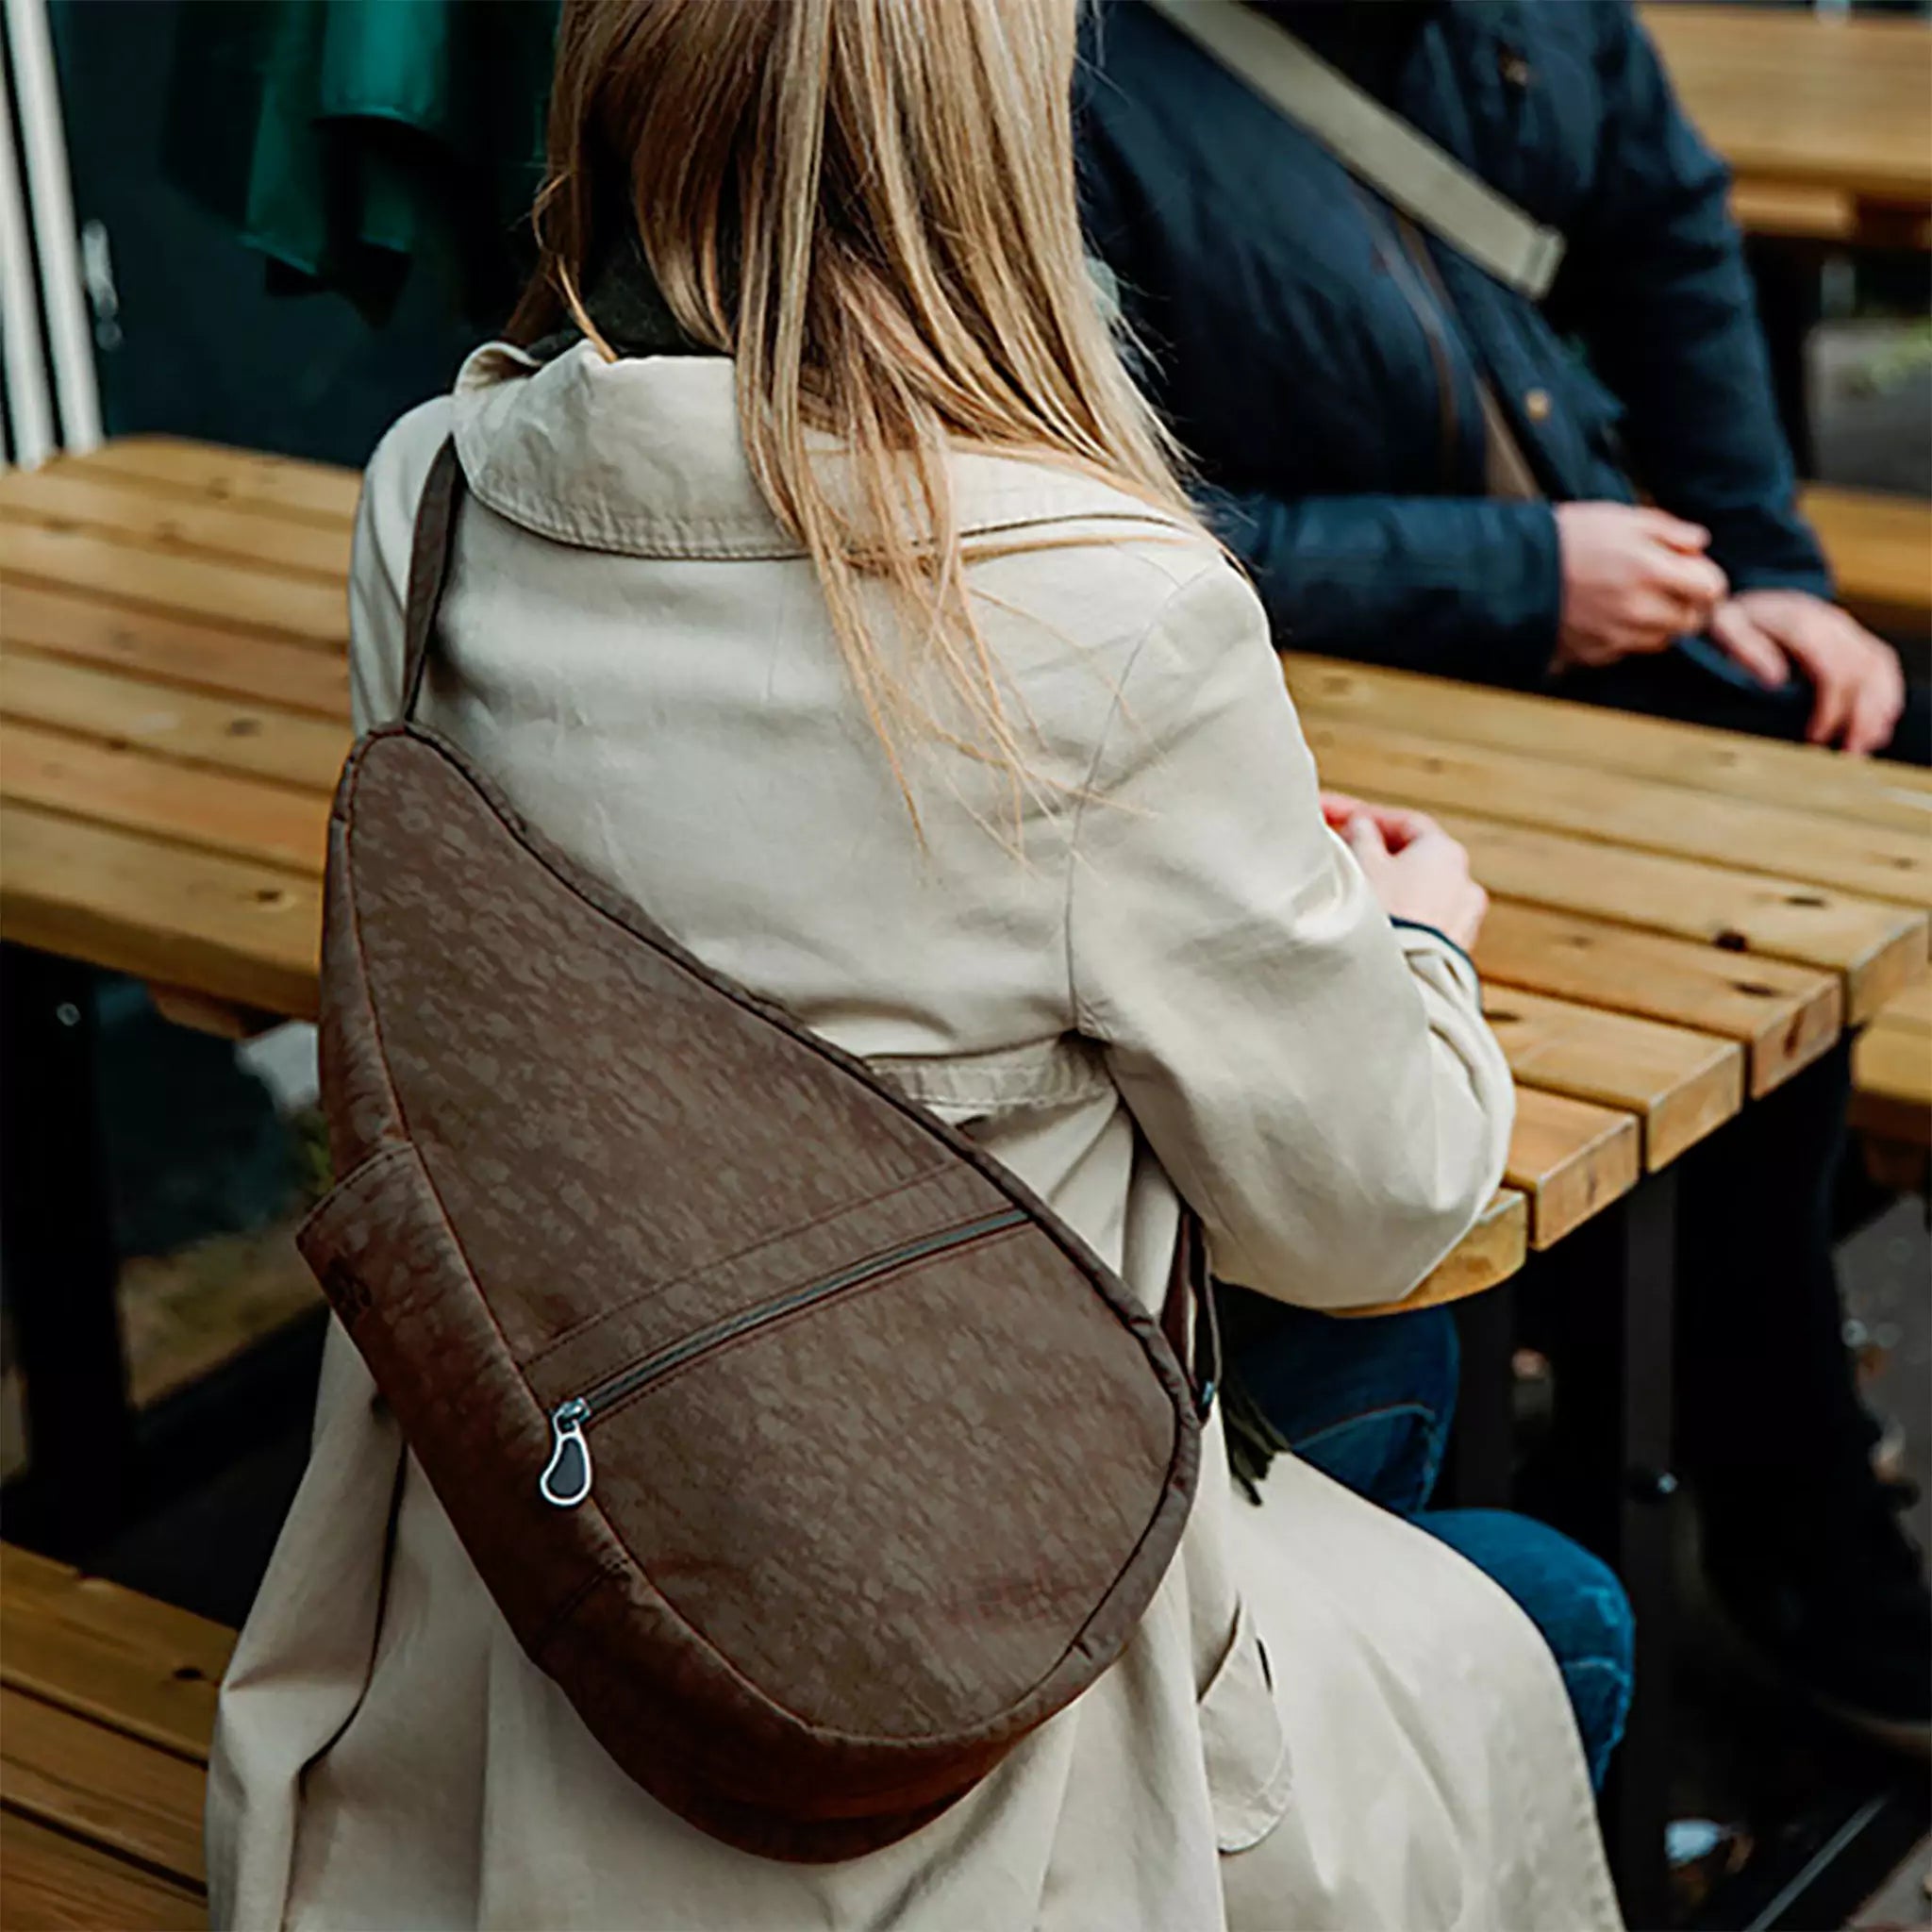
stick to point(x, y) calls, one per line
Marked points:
point(814, 1457)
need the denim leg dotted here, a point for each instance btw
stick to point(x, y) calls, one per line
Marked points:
point(1570, 1597)
point(1366, 1401)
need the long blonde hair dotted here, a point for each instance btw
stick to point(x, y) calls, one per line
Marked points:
point(869, 206)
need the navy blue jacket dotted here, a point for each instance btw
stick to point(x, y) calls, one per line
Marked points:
point(1332, 402)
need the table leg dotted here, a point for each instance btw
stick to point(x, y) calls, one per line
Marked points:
point(1482, 1444)
point(1786, 275)
point(1615, 1310)
point(58, 1259)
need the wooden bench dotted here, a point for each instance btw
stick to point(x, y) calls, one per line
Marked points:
point(106, 1706)
point(1833, 216)
point(1891, 1102)
point(1880, 548)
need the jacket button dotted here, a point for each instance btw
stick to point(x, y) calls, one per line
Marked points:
point(1535, 404)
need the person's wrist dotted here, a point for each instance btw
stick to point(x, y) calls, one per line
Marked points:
point(1402, 923)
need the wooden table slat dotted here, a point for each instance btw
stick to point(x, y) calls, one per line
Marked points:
point(115, 783)
point(1872, 861)
point(109, 1654)
point(1785, 1015)
point(1802, 778)
point(94, 1603)
point(246, 665)
point(1492, 1251)
point(261, 739)
point(53, 1883)
point(1679, 1084)
point(1874, 948)
point(226, 928)
point(218, 474)
point(72, 495)
point(1572, 1158)
point(106, 1706)
point(226, 594)
point(127, 1796)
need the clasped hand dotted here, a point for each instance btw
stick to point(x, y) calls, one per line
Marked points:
point(1636, 578)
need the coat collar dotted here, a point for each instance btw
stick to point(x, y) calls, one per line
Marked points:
point(642, 456)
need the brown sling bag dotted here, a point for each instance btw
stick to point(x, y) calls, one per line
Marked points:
point(813, 1456)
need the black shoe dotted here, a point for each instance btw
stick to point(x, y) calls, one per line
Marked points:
point(1841, 1612)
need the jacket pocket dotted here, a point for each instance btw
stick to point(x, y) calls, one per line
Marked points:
point(401, 1286)
point(1250, 1777)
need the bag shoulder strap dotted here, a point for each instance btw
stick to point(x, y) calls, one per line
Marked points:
point(430, 556)
point(1377, 146)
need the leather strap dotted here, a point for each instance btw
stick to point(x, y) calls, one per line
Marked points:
point(1189, 1283)
point(1507, 473)
point(1373, 143)
point(429, 558)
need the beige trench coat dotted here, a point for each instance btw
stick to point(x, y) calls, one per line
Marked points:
point(1179, 979)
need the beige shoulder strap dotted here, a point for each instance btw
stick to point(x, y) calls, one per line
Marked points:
point(1375, 144)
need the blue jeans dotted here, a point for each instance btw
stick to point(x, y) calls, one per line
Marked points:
point(1369, 1402)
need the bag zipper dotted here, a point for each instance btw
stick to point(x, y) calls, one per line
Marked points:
point(567, 1477)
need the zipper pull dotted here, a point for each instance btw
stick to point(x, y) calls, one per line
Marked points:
point(567, 1479)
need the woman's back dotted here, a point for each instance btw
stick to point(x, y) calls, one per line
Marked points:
point(1168, 972)
point(982, 764)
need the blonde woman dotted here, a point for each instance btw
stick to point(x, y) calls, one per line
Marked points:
point(827, 587)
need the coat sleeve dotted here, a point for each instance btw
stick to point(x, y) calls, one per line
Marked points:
point(1463, 587)
point(1320, 1086)
point(1657, 284)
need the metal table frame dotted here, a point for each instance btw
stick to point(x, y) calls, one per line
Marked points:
point(1614, 1355)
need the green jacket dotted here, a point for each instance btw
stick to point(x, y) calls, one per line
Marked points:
point(348, 139)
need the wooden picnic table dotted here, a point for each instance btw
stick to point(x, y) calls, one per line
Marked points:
point(1683, 918)
point(1826, 122)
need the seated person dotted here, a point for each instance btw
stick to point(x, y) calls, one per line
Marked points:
point(1419, 471)
point(1408, 455)
point(833, 597)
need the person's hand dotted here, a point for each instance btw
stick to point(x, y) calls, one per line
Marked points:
point(1633, 579)
point(1860, 687)
point(1413, 867)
